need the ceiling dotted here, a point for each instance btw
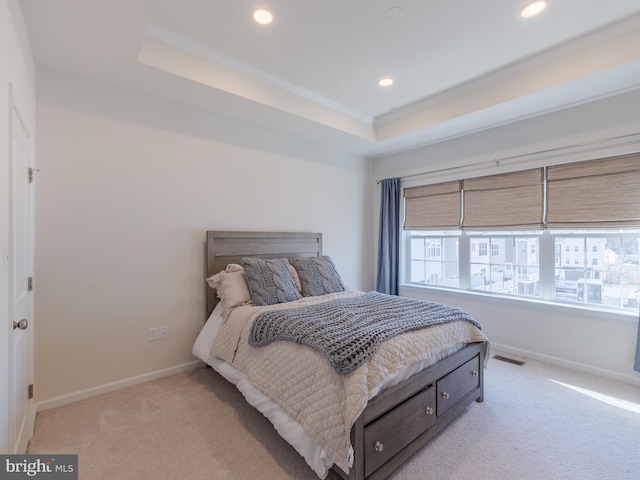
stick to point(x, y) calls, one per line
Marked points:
point(458, 66)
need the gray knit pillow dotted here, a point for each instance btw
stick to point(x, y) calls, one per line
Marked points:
point(269, 281)
point(318, 276)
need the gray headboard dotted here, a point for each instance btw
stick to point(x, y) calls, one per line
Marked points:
point(229, 247)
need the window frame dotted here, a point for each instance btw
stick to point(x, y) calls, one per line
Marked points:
point(427, 236)
point(547, 254)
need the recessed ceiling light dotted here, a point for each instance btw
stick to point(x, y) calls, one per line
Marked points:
point(263, 17)
point(532, 9)
point(394, 12)
point(385, 82)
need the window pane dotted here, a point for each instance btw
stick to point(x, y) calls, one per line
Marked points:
point(589, 267)
point(604, 272)
point(512, 267)
point(433, 260)
point(417, 249)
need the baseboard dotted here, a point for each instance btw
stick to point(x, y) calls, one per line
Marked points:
point(601, 372)
point(146, 377)
point(113, 386)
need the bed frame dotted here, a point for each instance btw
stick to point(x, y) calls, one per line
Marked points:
point(402, 419)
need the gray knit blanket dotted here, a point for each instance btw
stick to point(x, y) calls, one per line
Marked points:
point(349, 330)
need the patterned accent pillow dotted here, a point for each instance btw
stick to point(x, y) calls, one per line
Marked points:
point(318, 276)
point(269, 280)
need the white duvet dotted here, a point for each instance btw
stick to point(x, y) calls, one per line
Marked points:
point(286, 427)
point(299, 385)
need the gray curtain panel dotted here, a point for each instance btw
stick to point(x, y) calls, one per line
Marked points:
point(636, 365)
point(389, 237)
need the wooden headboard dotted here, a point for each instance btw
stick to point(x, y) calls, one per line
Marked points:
point(224, 248)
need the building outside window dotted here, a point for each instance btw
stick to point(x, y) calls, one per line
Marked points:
point(609, 272)
point(433, 260)
point(596, 268)
point(513, 271)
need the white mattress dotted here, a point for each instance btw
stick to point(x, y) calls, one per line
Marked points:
point(288, 428)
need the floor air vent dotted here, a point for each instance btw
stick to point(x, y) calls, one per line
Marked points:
point(508, 360)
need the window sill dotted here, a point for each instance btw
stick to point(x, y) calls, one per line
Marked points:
point(570, 309)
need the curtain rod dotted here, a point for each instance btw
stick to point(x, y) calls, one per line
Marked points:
point(497, 161)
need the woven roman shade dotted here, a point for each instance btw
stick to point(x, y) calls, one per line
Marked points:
point(596, 193)
point(432, 207)
point(509, 200)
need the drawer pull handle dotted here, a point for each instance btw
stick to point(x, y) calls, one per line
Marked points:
point(378, 447)
point(445, 395)
point(474, 374)
point(428, 410)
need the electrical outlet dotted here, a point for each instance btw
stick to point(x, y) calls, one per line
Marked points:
point(163, 332)
point(153, 334)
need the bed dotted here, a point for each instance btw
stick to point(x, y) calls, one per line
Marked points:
point(371, 419)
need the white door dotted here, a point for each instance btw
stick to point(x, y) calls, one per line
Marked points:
point(22, 409)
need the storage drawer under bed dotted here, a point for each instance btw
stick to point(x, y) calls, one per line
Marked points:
point(397, 422)
point(390, 433)
point(455, 385)
point(386, 436)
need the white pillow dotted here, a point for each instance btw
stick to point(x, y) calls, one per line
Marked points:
point(231, 287)
point(296, 278)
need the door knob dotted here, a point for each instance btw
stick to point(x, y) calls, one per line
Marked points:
point(22, 324)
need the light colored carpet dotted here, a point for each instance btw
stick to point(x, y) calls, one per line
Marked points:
point(537, 422)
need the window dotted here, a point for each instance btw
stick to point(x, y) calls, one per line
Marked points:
point(433, 260)
point(512, 271)
point(611, 278)
point(605, 271)
point(568, 233)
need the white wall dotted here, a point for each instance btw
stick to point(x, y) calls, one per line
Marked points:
point(17, 68)
point(602, 343)
point(127, 188)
